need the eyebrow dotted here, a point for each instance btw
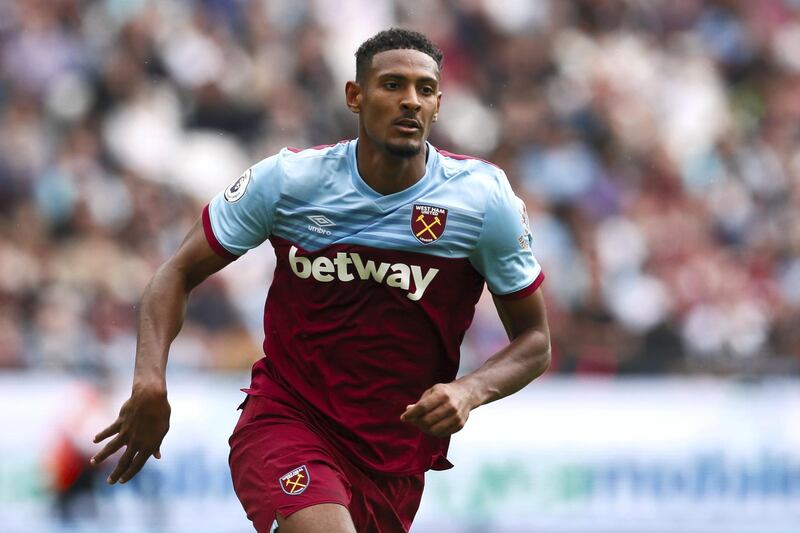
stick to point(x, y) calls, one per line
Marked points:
point(423, 79)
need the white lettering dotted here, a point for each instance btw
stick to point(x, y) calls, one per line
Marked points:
point(368, 270)
point(315, 229)
point(323, 268)
point(341, 263)
point(421, 282)
point(401, 278)
point(301, 266)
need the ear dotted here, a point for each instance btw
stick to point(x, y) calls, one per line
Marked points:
point(438, 105)
point(352, 94)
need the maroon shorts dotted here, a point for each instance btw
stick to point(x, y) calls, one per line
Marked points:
point(280, 465)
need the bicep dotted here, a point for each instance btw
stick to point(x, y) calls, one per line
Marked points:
point(503, 254)
point(522, 314)
point(195, 258)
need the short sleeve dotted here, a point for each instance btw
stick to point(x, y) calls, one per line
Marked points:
point(240, 217)
point(504, 254)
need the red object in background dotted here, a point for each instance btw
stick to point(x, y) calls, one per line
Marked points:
point(66, 465)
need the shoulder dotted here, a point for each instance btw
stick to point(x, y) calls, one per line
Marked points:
point(300, 159)
point(466, 161)
point(482, 178)
point(318, 167)
point(294, 170)
point(471, 167)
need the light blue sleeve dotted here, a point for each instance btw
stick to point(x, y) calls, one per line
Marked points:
point(241, 216)
point(503, 255)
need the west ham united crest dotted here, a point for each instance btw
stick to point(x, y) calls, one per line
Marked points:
point(427, 222)
point(295, 481)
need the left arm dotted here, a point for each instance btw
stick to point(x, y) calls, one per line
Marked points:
point(444, 408)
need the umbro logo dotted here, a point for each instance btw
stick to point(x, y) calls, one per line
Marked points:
point(321, 222)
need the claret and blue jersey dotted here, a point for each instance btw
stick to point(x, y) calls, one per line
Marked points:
point(372, 294)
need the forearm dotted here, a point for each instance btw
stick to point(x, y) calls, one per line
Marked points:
point(143, 420)
point(161, 316)
point(509, 370)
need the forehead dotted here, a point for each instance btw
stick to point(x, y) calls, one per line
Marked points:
point(410, 63)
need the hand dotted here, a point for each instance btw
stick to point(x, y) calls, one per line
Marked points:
point(142, 423)
point(441, 410)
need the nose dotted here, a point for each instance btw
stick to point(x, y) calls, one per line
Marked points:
point(410, 99)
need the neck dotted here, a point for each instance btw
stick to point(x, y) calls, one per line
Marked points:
point(386, 173)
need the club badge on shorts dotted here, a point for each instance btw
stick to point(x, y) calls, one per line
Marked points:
point(427, 222)
point(295, 481)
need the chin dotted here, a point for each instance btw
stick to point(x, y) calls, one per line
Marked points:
point(406, 149)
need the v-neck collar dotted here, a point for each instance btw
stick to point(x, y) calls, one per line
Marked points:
point(387, 202)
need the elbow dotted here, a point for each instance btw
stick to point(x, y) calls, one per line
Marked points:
point(540, 352)
point(542, 362)
point(179, 275)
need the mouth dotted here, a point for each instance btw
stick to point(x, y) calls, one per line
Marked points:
point(407, 125)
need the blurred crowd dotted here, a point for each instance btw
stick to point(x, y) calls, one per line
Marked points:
point(655, 143)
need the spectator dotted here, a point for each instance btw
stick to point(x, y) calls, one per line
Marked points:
point(657, 145)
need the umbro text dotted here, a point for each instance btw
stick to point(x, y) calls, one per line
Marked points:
point(398, 275)
point(316, 229)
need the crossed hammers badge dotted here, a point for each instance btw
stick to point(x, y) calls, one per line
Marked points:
point(428, 222)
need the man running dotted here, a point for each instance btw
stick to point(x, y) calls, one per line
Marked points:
point(383, 246)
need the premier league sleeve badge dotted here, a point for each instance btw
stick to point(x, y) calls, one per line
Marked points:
point(237, 189)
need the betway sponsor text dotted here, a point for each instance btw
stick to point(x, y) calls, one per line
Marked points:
point(398, 275)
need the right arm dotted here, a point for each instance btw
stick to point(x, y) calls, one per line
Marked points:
point(143, 420)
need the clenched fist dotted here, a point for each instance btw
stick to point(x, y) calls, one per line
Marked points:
point(441, 410)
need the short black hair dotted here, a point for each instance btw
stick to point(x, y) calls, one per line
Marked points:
point(394, 39)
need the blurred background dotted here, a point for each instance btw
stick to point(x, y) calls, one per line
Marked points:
point(657, 147)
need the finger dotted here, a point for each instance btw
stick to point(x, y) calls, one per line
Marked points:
point(110, 430)
point(426, 420)
point(446, 427)
point(413, 412)
point(136, 465)
point(422, 406)
point(435, 416)
point(122, 465)
point(437, 429)
point(442, 430)
point(109, 449)
point(426, 404)
point(416, 410)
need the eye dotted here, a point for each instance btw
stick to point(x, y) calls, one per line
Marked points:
point(391, 85)
point(427, 90)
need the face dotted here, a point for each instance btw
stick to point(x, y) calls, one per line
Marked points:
point(397, 101)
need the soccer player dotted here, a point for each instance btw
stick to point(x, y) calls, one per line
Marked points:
point(383, 246)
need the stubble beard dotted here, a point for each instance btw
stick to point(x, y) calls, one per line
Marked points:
point(404, 150)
